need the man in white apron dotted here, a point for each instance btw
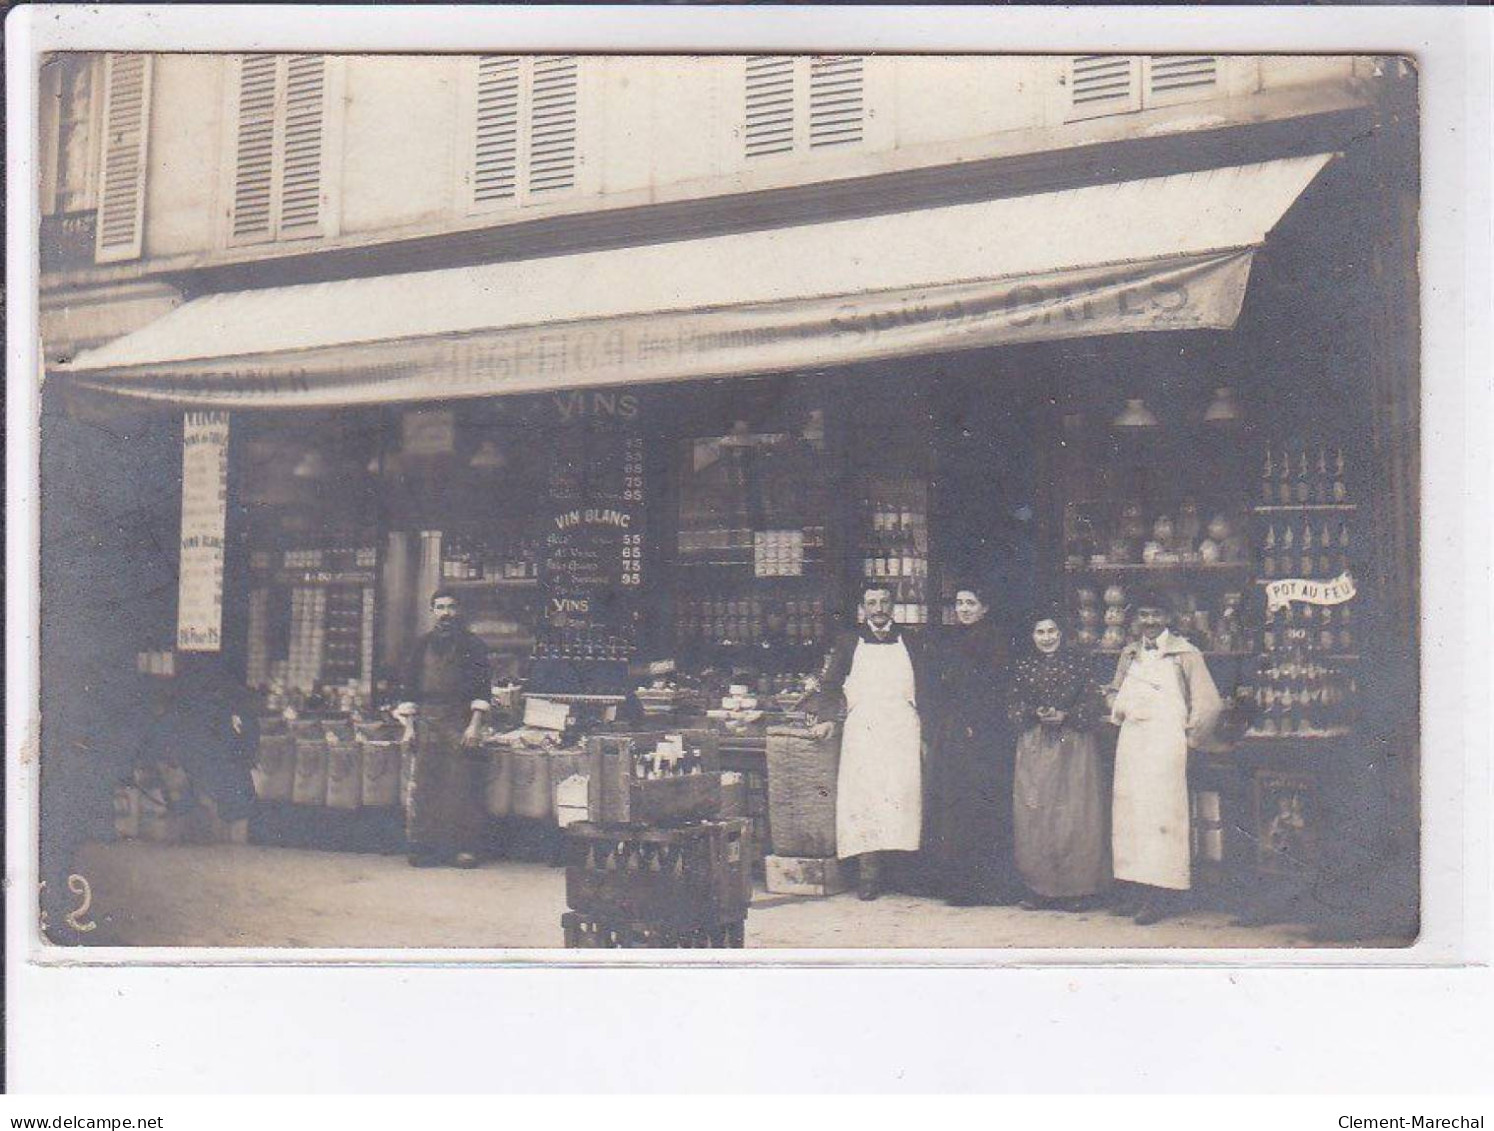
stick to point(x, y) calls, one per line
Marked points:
point(1165, 702)
point(879, 803)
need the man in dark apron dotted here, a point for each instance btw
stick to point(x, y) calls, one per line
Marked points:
point(446, 688)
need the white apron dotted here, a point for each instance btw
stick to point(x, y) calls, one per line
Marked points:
point(879, 802)
point(1150, 829)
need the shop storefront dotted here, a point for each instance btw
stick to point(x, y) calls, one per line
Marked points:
point(659, 479)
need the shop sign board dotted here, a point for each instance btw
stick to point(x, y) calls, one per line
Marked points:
point(591, 572)
point(199, 605)
point(1281, 593)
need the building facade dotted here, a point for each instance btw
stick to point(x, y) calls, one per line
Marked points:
point(335, 249)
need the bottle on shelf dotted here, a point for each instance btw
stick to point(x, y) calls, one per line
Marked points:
point(1306, 560)
point(1322, 486)
point(1284, 484)
point(1268, 552)
point(1304, 489)
point(1343, 547)
point(1325, 547)
point(1340, 488)
point(1268, 478)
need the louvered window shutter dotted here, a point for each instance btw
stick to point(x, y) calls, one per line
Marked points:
point(770, 105)
point(301, 161)
point(254, 156)
point(121, 219)
point(1180, 78)
point(279, 152)
point(552, 124)
point(495, 171)
point(1103, 84)
point(836, 106)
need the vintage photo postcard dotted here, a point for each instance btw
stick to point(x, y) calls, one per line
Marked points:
point(729, 502)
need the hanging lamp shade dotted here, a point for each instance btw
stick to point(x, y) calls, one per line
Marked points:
point(488, 456)
point(1135, 415)
point(311, 466)
point(1224, 408)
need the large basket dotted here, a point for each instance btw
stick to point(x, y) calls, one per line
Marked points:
point(274, 768)
point(801, 792)
point(500, 790)
point(310, 784)
point(344, 775)
point(532, 793)
point(381, 773)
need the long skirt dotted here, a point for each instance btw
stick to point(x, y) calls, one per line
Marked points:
point(974, 794)
point(1058, 813)
point(447, 808)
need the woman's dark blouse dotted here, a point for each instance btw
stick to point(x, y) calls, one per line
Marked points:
point(1063, 680)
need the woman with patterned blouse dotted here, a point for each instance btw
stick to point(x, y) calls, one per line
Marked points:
point(1058, 809)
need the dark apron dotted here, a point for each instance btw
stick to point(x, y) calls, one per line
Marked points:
point(447, 811)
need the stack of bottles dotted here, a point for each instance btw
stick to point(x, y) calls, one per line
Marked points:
point(1306, 550)
point(731, 620)
point(583, 644)
point(1303, 474)
point(465, 559)
point(895, 553)
point(1299, 691)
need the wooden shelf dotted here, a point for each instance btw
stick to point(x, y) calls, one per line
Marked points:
point(1220, 568)
point(1206, 655)
point(1288, 739)
point(1316, 580)
point(493, 583)
point(1304, 508)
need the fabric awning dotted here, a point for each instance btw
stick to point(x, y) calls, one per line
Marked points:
point(1163, 253)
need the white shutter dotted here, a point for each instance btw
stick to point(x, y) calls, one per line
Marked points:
point(254, 150)
point(770, 105)
point(302, 145)
point(552, 123)
point(121, 219)
point(836, 105)
point(1103, 84)
point(495, 173)
point(280, 148)
point(1180, 78)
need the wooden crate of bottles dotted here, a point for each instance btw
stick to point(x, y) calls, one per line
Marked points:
point(632, 784)
point(689, 876)
point(585, 933)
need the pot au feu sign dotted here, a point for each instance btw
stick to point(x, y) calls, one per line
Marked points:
point(1280, 594)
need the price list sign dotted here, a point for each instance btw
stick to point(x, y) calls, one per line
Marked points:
point(592, 567)
point(199, 603)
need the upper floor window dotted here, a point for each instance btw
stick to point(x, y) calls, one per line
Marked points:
point(1100, 85)
point(799, 103)
point(71, 106)
point(521, 129)
point(95, 131)
point(280, 149)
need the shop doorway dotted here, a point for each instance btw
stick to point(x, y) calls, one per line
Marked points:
point(987, 492)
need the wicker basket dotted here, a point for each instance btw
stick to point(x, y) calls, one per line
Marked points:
point(380, 773)
point(533, 795)
point(801, 792)
point(274, 767)
point(344, 775)
point(500, 792)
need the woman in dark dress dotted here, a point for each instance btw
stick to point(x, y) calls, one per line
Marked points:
point(970, 822)
point(1058, 814)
